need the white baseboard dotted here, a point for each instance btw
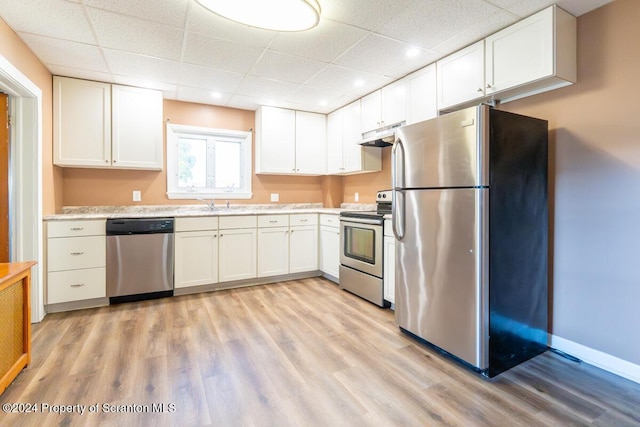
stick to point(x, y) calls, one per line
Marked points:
point(597, 358)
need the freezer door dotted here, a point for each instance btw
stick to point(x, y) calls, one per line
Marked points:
point(441, 271)
point(448, 151)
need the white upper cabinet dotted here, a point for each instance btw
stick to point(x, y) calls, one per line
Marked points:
point(534, 55)
point(421, 95)
point(311, 143)
point(107, 126)
point(384, 107)
point(136, 136)
point(290, 142)
point(461, 76)
point(344, 154)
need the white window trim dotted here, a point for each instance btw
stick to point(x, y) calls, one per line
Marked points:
point(172, 139)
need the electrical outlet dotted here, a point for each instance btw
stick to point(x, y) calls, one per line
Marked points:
point(357, 197)
point(137, 197)
point(275, 197)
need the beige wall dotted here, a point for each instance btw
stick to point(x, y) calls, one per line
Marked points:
point(595, 180)
point(17, 53)
point(92, 187)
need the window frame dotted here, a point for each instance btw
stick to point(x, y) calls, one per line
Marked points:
point(175, 131)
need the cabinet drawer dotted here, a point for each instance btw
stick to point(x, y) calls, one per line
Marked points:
point(75, 285)
point(273, 221)
point(76, 228)
point(229, 222)
point(196, 224)
point(330, 220)
point(303, 219)
point(71, 253)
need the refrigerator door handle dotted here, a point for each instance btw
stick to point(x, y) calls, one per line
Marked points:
point(397, 199)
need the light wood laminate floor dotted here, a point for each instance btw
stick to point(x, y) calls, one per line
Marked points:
point(299, 353)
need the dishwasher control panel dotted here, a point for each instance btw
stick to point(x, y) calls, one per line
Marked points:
point(129, 226)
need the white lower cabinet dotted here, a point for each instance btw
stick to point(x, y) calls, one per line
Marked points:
point(196, 258)
point(303, 249)
point(330, 245)
point(238, 253)
point(389, 264)
point(273, 251)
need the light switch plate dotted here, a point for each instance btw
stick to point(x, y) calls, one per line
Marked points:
point(357, 197)
point(137, 197)
point(275, 197)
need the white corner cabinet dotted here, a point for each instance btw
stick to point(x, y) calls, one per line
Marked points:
point(76, 261)
point(196, 251)
point(330, 246)
point(100, 125)
point(290, 142)
point(534, 55)
point(344, 155)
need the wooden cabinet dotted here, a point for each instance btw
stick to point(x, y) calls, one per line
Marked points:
point(237, 248)
point(196, 251)
point(389, 263)
point(106, 126)
point(303, 243)
point(290, 142)
point(344, 155)
point(76, 260)
point(329, 246)
point(461, 76)
point(422, 95)
point(384, 107)
point(534, 55)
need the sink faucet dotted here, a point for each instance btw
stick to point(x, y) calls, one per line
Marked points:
point(210, 203)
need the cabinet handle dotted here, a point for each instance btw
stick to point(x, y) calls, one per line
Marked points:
point(77, 285)
point(329, 220)
point(479, 89)
point(291, 231)
point(273, 221)
point(304, 220)
point(488, 86)
point(76, 253)
point(114, 161)
point(106, 161)
point(215, 235)
point(77, 228)
point(221, 235)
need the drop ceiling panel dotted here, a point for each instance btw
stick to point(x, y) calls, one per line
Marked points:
point(61, 70)
point(220, 54)
point(142, 67)
point(524, 8)
point(136, 35)
point(66, 53)
point(259, 87)
point(172, 12)
point(324, 43)
point(51, 18)
point(365, 14)
point(191, 94)
point(196, 76)
point(246, 102)
point(289, 68)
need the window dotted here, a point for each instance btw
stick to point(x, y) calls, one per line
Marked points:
point(208, 163)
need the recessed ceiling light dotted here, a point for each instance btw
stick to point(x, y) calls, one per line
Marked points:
point(412, 52)
point(276, 15)
point(216, 95)
point(324, 103)
point(358, 83)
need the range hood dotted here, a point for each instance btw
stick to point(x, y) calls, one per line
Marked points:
point(383, 137)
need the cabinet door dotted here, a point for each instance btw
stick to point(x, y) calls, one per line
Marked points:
point(81, 123)
point(422, 95)
point(275, 140)
point(330, 251)
point(461, 76)
point(394, 103)
point(371, 118)
point(389, 269)
point(351, 135)
point(137, 138)
point(334, 143)
point(521, 53)
point(311, 143)
point(273, 251)
point(196, 258)
point(303, 249)
point(237, 254)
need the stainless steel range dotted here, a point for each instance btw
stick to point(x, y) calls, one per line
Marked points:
point(361, 254)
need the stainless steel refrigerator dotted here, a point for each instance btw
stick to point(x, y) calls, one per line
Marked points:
point(470, 221)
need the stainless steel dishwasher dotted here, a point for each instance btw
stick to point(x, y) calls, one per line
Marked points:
point(139, 259)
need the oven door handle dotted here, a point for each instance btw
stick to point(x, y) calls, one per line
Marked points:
point(362, 221)
point(397, 198)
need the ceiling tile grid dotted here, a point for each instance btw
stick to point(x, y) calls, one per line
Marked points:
point(193, 55)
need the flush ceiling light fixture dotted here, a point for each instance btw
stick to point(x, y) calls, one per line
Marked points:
point(276, 15)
